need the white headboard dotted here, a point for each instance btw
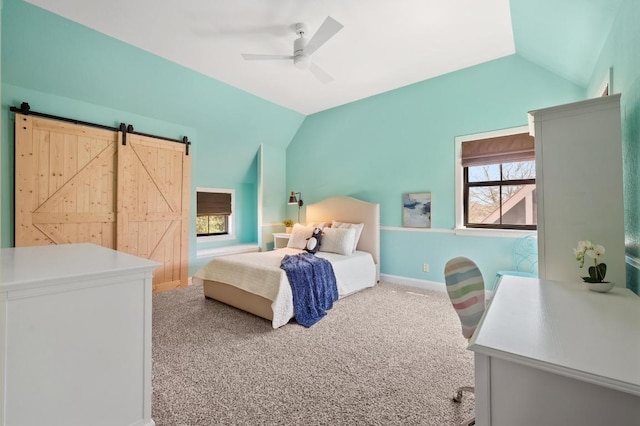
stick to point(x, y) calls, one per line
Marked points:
point(348, 209)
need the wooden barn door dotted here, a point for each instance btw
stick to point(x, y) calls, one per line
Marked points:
point(153, 206)
point(64, 183)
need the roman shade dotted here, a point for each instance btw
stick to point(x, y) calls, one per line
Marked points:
point(502, 149)
point(213, 203)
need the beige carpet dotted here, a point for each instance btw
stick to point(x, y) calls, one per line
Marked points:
point(390, 355)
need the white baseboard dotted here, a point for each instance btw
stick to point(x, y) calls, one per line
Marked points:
point(413, 282)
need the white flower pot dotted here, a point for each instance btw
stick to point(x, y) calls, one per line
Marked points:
point(600, 287)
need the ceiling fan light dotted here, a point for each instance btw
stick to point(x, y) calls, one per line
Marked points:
point(302, 61)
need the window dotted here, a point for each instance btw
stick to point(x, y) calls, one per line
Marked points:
point(214, 213)
point(499, 182)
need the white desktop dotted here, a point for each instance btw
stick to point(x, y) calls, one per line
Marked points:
point(555, 353)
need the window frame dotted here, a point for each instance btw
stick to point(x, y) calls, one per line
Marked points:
point(231, 228)
point(499, 183)
point(484, 230)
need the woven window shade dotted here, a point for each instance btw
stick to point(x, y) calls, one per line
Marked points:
point(503, 149)
point(213, 203)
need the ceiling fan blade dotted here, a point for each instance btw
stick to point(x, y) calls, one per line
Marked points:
point(320, 74)
point(327, 30)
point(258, 57)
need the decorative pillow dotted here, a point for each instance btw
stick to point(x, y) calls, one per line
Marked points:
point(344, 225)
point(313, 243)
point(299, 236)
point(338, 240)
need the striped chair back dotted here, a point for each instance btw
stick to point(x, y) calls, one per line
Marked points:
point(465, 287)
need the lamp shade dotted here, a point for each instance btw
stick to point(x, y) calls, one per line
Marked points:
point(292, 198)
point(296, 200)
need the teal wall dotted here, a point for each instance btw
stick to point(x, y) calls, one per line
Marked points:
point(66, 69)
point(622, 52)
point(403, 141)
point(565, 36)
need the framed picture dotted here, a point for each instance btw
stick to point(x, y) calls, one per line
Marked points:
point(416, 209)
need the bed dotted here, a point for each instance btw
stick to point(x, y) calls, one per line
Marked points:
point(254, 282)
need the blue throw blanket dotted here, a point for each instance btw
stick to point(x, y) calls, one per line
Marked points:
point(313, 285)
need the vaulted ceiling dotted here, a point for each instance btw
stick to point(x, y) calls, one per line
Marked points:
point(382, 46)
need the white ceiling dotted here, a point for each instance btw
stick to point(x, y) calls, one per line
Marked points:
point(384, 44)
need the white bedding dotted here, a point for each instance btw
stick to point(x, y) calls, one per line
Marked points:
point(260, 274)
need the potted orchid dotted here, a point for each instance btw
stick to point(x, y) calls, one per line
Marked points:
point(596, 252)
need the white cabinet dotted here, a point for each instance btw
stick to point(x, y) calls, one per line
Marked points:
point(579, 186)
point(76, 337)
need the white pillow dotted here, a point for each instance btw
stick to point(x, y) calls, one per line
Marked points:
point(338, 240)
point(344, 225)
point(299, 236)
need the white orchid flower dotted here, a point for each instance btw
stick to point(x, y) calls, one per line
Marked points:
point(584, 245)
point(595, 251)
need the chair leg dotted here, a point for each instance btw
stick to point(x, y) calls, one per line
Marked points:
point(470, 422)
point(458, 396)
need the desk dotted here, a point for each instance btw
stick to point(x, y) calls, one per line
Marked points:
point(553, 353)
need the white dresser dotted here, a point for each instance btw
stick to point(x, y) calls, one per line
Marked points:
point(75, 337)
point(555, 353)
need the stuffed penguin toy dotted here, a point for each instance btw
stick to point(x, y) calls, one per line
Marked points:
point(313, 242)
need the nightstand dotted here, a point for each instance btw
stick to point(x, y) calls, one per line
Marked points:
point(280, 240)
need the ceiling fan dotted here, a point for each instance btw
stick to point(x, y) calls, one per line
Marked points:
point(303, 49)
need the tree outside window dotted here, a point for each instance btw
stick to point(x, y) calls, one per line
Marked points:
point(211, 225)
